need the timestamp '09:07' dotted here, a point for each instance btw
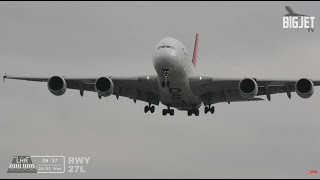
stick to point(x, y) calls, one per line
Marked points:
point(49, 160)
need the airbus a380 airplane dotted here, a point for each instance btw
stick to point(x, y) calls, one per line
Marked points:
point(176, 85)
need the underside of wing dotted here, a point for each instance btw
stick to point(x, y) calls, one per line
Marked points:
point(216, 90)
point(225, 96)
point(143, 88)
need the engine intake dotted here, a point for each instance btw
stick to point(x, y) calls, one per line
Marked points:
point(304, 88)
point(57, 85)
point(104, 86)
point(248, 88)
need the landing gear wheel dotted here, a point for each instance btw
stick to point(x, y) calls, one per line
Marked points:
point(146, 109)
point(152, 109)
point(206, 109)
point(149, 108)
point(164, 112)
point(168, 111)
point(209, 108)
point(212, 109)
point(193, 111)
point(196, 112)
point(171, 112)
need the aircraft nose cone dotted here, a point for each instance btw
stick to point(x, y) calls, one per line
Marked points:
point(165, 54)
point(165, 58)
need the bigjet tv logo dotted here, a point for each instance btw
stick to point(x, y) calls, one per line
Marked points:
point(298, 21)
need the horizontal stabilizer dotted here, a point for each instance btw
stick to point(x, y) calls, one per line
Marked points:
point(4, 78)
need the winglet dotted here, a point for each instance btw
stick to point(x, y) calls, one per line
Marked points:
point(4, 78)
point(195, 51)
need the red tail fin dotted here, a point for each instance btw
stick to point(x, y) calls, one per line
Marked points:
point(195, 51)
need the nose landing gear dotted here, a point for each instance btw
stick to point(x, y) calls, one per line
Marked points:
point(165, 83)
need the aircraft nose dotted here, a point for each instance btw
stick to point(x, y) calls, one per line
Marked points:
point(165, 58)
point(165, 54)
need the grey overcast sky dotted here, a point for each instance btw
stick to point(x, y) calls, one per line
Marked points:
point(277, 139)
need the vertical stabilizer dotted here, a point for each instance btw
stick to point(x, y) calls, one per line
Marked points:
point(195, 51)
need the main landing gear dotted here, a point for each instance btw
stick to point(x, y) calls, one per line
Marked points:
point(209, 108)
point(149, 108)
point(193, 111)
point(168, 111)
point(165, 83)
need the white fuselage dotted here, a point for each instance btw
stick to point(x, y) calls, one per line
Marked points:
point(171, 54)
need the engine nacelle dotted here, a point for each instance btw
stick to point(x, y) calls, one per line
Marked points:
point(248, 88)
point(304, 88)
point(104, 86)
point(57, 85)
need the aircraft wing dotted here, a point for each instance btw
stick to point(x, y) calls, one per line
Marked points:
point(143, 88)
point(215, 90)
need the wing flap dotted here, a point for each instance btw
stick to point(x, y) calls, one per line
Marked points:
point(228, 96)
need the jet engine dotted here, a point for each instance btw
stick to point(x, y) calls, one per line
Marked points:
point(304, 88)
point(248, 88)
point(57, 85)
point(104, 86)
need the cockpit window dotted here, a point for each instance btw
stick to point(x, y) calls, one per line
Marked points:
point(171, 47)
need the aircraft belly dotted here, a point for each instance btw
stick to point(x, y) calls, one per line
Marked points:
point(179, 95)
